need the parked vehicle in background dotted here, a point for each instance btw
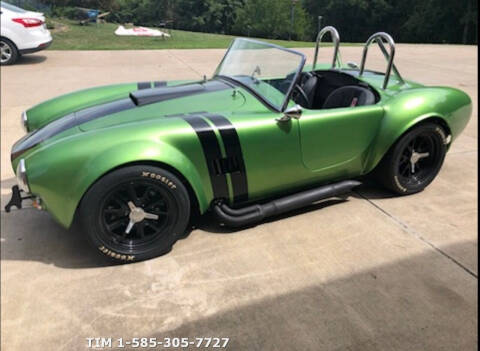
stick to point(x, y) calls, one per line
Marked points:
point(22, 32)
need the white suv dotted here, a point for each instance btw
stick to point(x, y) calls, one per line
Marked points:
point(22, 32)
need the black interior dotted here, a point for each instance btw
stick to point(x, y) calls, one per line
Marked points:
point(332, 89)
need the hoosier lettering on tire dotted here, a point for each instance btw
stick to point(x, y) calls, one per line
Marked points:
point(135, 213)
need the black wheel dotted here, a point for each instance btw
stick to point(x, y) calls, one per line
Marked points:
point(8, 52)
point(135, 213)
point(415, 160)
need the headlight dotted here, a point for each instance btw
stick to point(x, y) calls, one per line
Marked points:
point(24, 121)
point(22, 176)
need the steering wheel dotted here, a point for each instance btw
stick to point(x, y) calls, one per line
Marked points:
point(302, 93)
point(298, 90)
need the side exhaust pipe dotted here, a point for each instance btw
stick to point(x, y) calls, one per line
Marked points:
point(255, 213)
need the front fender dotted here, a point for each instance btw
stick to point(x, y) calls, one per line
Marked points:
point(414, 106)
point(138, 152)
point(62, 178)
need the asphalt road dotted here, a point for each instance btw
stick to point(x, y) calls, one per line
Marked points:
point(373, 273)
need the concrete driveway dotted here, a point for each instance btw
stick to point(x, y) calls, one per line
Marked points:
point(373, 273)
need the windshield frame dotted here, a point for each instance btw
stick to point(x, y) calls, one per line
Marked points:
point(257, 94)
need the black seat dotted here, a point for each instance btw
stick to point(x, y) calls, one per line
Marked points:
point(309, 87)
point(350, 95)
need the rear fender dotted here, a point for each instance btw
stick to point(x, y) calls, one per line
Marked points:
point(450, 106)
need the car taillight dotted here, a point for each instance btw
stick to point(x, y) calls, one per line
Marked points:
point(28, 22)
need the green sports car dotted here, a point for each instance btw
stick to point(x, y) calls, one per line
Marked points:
point(265, 135)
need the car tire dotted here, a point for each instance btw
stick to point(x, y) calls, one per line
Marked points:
point(137, 195)
point(415, 160)
point(9, 52)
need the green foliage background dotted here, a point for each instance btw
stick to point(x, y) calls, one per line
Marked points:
point(410, 21)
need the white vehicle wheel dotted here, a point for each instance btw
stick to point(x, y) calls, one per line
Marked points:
point(8, 52)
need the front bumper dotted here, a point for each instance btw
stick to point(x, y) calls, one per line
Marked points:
point(21, 174)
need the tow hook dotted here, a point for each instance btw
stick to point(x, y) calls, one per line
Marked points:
point(16, 199)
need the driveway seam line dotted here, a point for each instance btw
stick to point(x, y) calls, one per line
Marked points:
point(462, 152)
point(418, 236)
point(182, 61)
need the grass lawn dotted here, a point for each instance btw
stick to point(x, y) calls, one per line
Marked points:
point(69, 35)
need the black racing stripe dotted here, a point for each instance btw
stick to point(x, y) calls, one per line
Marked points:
point(212, 152)
point(103, 110)
point(233, 151)
point(69, 121)
point(40, 135)
point(176, 115)
point(185, 114)
point(159, 83)
point(144, 85)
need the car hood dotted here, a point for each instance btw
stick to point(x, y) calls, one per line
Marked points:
point(76, 113)
point(168, 97)
point(161, 102)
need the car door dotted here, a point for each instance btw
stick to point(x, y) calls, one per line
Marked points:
point(271, 152)
point(334, 142)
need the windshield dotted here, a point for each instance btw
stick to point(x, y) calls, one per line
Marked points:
point(11, 7)
point(269, 70)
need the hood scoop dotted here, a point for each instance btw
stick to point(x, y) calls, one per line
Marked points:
point(154, 95)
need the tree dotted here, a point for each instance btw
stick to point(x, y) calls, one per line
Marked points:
point(141, 12)
point(441, 21)
point(354, 19)
point(206, 15)
point(426, 21)
point(271, 19)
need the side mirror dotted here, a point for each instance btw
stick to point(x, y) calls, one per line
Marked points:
point(292, 112)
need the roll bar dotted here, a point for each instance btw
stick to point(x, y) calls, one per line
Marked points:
point(336, 42)
point(378, 38)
